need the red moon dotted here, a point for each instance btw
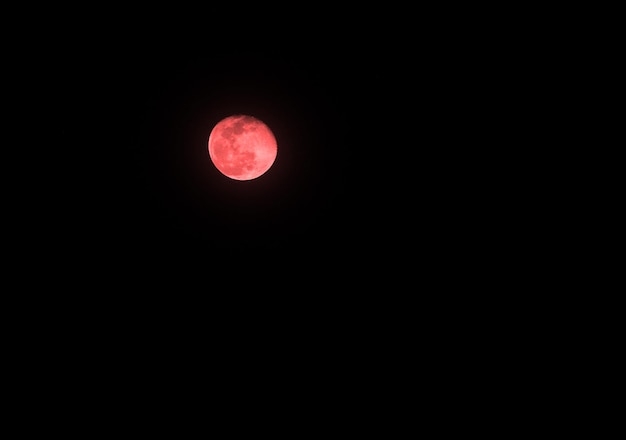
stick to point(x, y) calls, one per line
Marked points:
point(242, 147)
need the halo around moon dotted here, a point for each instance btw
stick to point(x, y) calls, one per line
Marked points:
point(242, 147)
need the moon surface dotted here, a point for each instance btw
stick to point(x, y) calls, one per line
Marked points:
point(242, 147)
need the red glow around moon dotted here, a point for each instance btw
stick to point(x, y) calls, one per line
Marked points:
point(242, 147)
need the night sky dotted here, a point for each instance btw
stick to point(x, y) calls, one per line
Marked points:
point(378, 183)
point(139, 113)
point(373, 260)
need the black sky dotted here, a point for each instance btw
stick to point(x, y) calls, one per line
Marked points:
point(379, 171)
point(131, 114)
point(376, 254)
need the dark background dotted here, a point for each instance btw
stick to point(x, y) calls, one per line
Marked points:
point(367, 175)
point(380, 243)
point(389, 173)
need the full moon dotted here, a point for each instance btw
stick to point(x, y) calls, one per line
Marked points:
point(242, 147)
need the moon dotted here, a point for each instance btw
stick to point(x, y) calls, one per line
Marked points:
point(242, 147)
